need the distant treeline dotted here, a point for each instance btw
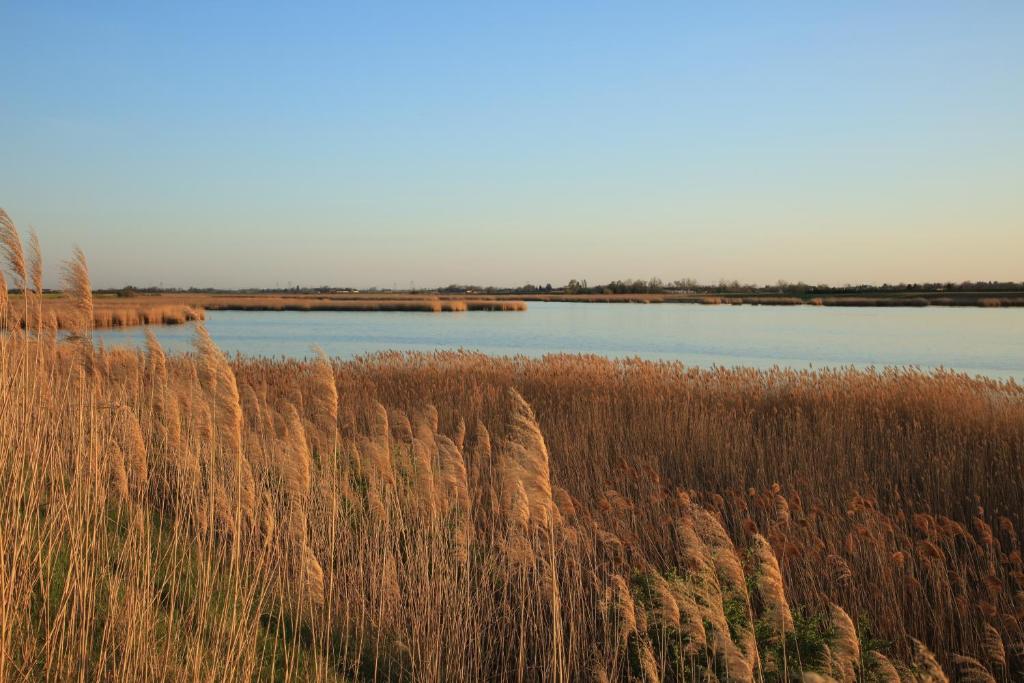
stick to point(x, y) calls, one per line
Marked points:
point(627, 286)
point(689, 285)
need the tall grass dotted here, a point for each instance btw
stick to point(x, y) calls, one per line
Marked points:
point(430, 304)
point(365, 303)
point(456, 517)
point(60, 312)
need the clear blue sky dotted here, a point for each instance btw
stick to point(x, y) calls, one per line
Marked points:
point(232, 145)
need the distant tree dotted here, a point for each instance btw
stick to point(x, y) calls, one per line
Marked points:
point(686, 283)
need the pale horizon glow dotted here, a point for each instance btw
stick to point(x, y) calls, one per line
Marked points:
point(223, 145)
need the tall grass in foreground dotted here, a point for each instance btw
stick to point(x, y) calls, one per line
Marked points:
point(457, 517)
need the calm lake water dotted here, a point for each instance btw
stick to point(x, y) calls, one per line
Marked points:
point(974, 340)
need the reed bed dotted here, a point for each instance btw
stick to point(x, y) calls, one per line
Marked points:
point(773, 300)
point(107, 313)
point(607, 298)
point(354, 303)
point(495, 305)
point(861, 301)
point(449, 516)
point(425, 304)
point(473, 302)
point(180, 309)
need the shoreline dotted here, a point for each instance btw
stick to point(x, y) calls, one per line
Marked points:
point(112, 311)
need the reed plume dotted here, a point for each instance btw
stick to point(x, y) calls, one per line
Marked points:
point(137, 459)
point(845, 643)
point(79, 290)
point(323, 397)
point(376, 449)
point(928, 668)
point(10, 243)
point(296, 462)
point(620, 608)
point(648, 664)
point(970, 670)
point(424, 457)
point(992, 646)
point(156, 361)
point(691, 623)
point(769, 586)
point(815, 677)
point(313, 576)
point(722, 550)
point(4, 300)
point(526, 457)
point(117, 474)
point(35, 263)
point(454, 482)
point(400, 425)
point(218, 380)
point(666, 609)
point(882, 668)
point(517, 504)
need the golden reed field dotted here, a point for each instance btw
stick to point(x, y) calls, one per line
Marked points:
point(455, 517)
point(176, 309)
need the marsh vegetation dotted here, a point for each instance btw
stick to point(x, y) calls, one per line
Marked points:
point(453, 516)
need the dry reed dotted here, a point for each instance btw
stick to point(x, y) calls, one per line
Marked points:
point(195, 517)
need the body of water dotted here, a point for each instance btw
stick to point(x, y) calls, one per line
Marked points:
point(975, 340)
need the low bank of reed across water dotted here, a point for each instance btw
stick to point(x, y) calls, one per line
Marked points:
point(60, 314)
point(427, 304)
point(112, 312)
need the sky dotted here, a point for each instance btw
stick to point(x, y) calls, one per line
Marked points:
point(395, 144)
